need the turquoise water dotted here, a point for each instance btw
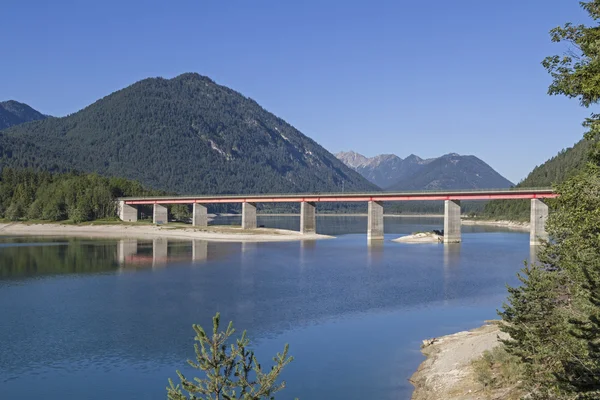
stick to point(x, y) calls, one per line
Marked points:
point(100, 319)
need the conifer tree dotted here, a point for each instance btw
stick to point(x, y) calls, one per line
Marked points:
point(533, 323)
point(232, 371)
point(553, 318)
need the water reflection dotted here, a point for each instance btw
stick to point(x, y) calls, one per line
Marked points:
point(160, 252)
point(131, 331)
point(451, 256)
point(375, 251)
point(22, 257)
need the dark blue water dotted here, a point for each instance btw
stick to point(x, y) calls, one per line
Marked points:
point(108, 319)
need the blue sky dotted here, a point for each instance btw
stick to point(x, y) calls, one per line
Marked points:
point(423, 77)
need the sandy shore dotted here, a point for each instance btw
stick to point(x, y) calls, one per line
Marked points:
point(446, 373)
point(421, 237)
point(211, 233)
point(521, 226)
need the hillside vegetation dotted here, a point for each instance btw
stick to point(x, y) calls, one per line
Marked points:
point(14, 113)
point(30, 195)
point(559, 168)
point(186, 135)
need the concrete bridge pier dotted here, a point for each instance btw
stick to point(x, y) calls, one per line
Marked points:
point(539, 215)
point(248, 215)
point(375, 221)
point(452, 221)
point(199, 215)
point(160, 214)
point(308, 218)
point(126, 212)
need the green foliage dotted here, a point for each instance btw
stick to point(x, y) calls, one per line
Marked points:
point(497, 369)
point(531, 320)
point(181, 212)
point(232, 371)
point(575, 73)
point(564, 165)
point(27, 194)
point(184, 135)
point(554, 316)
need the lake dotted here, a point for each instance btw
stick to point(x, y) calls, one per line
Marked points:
point(110, 319)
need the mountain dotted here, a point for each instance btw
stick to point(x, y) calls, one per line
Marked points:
point(185, 135)
point(381, 170)
point(556, 170)
point(451, 171)
point(15, 113)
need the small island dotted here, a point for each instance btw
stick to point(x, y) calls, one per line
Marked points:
point(434, 236)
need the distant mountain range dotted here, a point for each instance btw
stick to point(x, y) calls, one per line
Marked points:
point(450, 171)
point(185, 135)
point(14, 113)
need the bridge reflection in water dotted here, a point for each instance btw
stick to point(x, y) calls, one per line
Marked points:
point(133, 253)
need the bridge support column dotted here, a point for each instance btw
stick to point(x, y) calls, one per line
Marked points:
point(452, 221)
point(126, 212)
point(248, 215)
point(199, 215)
point(160, 214)
point(375, 221)
point(539, 215)
point(308, 218)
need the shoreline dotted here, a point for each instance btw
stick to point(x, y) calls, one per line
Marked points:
point(516, 225)
point(123, 231)
point(446, 372)
point(421, 237)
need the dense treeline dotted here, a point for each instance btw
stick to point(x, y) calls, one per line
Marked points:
point(35, 195)
point(184, 135)
point(564, 165)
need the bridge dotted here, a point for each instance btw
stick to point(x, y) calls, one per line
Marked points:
point(539, 210)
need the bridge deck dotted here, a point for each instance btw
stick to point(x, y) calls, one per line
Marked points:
point(483, 194)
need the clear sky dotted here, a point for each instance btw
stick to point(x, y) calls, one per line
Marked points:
point(423, 77)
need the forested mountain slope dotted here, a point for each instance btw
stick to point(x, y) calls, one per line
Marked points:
point(453, 171)
point(185, 135)
point(14, 113)
point(560, 167)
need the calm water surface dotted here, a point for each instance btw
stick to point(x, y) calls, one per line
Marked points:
point(99, 319)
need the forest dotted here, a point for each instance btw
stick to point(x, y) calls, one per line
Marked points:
point(556, 170)
point(26, 194)
point(552, 318)
point(184, 135)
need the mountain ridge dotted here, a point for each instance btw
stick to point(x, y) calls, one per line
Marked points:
point(14, 113)
point(187, 135)
point(449, 171)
